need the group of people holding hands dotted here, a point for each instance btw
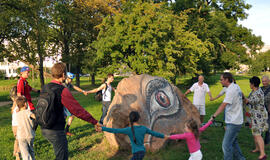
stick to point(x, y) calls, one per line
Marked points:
point(257, 101)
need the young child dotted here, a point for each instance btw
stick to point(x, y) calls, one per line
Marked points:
point(191, 136)
point(14, 110)
point(25, 132)
point(136, 135)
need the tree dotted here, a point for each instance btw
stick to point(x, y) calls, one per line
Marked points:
point(260, 62)
point(149, 38)
point(215, 22)
point(74, 25)
point(30, 23)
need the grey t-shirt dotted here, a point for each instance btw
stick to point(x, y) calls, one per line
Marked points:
point(25, 125)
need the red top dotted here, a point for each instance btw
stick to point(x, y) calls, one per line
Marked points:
point(24, 88)
point(192, 142)
point(74, 107)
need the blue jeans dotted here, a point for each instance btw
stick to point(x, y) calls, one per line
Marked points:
point(105, 107)
point(59, 141)
point(230, 145)
point(138, 155)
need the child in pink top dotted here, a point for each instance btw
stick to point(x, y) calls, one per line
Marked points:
point(191, 136)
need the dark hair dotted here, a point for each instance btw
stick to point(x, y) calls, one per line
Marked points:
point(20, 101)
point(255, 81)
point(194, 127)
point(133, 117)
point(110, 75)
point(58, 69)
point(227, 75)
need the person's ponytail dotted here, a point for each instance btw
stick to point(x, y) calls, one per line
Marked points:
point(133, 117)
point(133, 132)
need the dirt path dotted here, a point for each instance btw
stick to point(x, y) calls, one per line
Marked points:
point(5, 103)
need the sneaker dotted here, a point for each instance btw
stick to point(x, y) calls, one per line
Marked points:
point(69, 134)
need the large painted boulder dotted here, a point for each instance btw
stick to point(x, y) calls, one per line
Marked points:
point(161, 105)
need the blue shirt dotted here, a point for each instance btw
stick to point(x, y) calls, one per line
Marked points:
point(140, 131)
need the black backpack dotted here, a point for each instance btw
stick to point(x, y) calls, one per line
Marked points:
point(46, 114)
point(98, 96)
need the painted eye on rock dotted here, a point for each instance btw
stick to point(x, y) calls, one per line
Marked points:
point(162, 99)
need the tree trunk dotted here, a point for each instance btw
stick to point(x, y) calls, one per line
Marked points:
point(93, 80)
point(41, 75)
point(78, 67)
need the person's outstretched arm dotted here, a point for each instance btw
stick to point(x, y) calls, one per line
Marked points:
point(179, 136)
point(75, 108)
point(97, 89)
point(205, 126)
point(153, 133)
point(80, 90)
point(116, 130)
point(187, 92)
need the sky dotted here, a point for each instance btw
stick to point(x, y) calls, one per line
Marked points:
point(259, 19)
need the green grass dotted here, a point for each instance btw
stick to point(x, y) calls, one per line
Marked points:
point(88, 144)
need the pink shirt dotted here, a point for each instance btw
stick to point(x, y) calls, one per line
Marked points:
point(192, 142)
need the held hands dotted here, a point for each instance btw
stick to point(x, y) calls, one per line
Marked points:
point(98, 127)
point(85, 93)
point(166, 137)
point(212, 118)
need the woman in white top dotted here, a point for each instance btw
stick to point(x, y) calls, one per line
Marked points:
point(106, 95)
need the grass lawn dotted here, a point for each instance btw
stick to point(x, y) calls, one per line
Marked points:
point(90, 145)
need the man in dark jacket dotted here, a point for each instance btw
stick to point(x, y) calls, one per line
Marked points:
point(56, 134)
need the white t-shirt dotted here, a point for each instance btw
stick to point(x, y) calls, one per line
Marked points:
point(108, 94)
point(199, 93)
point(234, 108)
point(14, 117)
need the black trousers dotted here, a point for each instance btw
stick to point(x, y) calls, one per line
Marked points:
point(59, 141)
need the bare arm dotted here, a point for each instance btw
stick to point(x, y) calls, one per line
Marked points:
point(220, 109)
point(79, 89)
point(215, 97)
point(187, 92)
point(97, 89)
point(210, 95)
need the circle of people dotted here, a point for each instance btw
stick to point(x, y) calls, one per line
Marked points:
point(258, 102)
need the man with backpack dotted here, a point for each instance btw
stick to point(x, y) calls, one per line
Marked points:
point(106, 92)
point(50, 111)
point(266, 90)
point(24, 89)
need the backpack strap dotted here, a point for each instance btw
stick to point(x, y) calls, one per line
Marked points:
point(105, 89)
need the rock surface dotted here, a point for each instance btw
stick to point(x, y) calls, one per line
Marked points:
point(162, 107)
